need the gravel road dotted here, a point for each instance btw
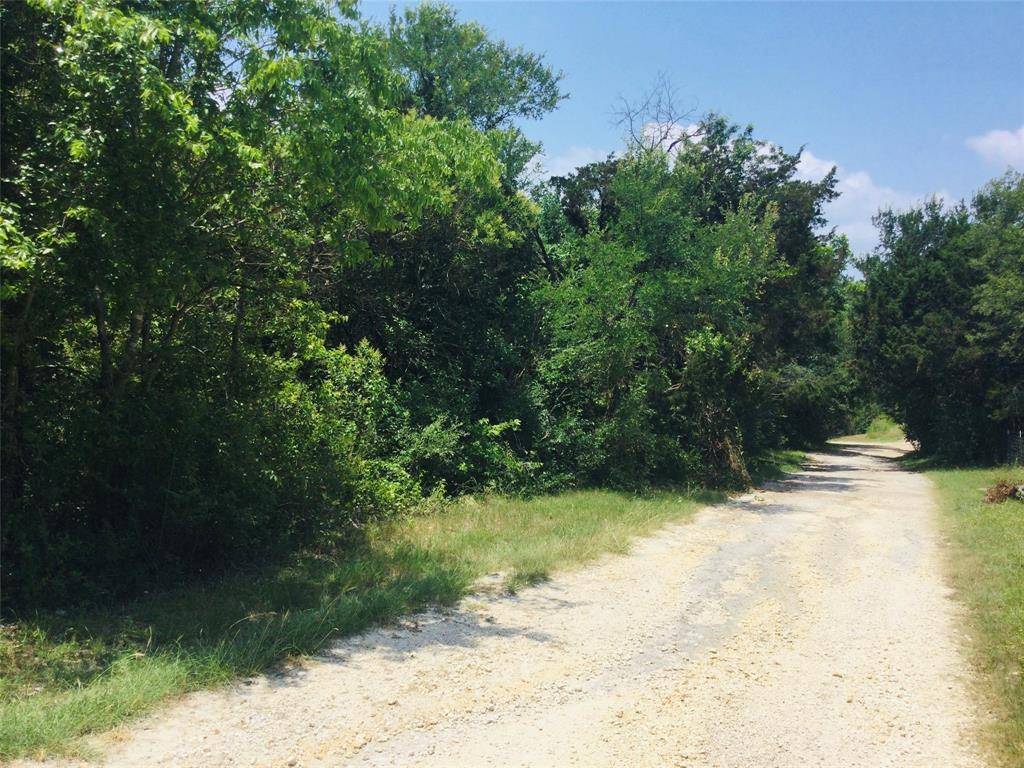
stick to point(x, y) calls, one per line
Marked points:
point(803, 625)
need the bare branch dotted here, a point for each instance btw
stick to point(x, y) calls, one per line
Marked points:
point(656, 121)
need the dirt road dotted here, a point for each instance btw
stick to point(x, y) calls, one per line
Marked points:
point(807, 625)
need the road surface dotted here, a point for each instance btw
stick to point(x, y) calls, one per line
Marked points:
point(803, 625)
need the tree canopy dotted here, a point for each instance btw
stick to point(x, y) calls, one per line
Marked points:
point(940, 324)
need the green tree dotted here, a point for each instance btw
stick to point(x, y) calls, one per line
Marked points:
point(779, 316)
point(998, 301)
point(269, 272)
point(453, 71)
point(178, 179)
point(649, 320)
point(938, 328)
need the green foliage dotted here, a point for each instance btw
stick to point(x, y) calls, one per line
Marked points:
point(812, 401)
point(271, 278)
point(270, 275)
point(469, 458)
point(883, 429)
point(183, 184)
point(938, 327)
point(998, 300)
point(452, 70)
point(664, 359)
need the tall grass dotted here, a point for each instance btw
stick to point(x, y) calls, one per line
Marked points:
point(64, 677)
point(988, 572)
point(884, 429)
point(527, 540)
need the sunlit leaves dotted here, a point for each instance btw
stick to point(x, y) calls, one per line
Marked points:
point(453, 70)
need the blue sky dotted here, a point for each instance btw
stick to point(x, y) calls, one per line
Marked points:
point(908, 100)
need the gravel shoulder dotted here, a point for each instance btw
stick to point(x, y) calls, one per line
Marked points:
point(806, 624)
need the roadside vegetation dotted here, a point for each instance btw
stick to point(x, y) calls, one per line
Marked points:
point(775, 465)
point(272, 276)
point(276, 280)
point(881, 429)
point(67, 675)
point(987, 566)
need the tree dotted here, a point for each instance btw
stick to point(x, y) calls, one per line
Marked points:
point(938, 326)
point(270, 273)
point(453, 71)
point(648, 320)
point(680, 181)
point(998, 301)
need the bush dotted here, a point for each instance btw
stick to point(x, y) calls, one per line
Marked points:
point(460, 458)
point(168, 485)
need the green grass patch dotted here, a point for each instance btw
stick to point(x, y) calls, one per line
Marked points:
point(526, 540)
point(64, 677)
point(882, 429)
point(988, 572)
point(775, 464)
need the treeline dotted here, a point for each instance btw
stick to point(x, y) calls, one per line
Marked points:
point(271, 272)
point(940, 323)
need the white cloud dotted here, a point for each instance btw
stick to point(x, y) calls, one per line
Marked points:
point(667, 135)
point(544, 166)
point(1000, 147)
point(812, 168)
point(860, 198)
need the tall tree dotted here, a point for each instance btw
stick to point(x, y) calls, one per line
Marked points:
point(452, 70)
point(938, 329)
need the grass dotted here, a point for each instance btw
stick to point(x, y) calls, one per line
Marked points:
point(988, 572)
point(525, 541)
point(64, 676)
point(882, 429)
point(775, 464)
